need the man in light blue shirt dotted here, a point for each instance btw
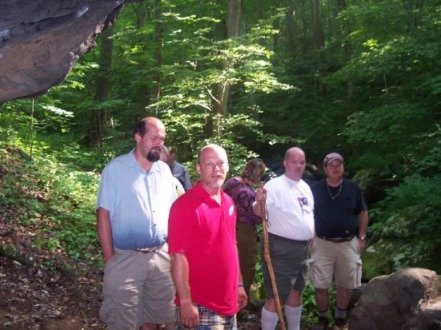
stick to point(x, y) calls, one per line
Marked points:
point(135, 195)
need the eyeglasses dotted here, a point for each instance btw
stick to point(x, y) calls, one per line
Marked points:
point(220, 165)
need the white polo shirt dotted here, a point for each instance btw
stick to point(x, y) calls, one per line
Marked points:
point(290, 207)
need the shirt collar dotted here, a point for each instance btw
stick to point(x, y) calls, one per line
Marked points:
point(203, 194)
point(154, 168)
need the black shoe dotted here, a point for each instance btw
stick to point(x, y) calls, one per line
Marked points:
point(340, 322)
point(322, 323)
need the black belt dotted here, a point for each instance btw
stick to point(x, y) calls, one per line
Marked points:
point(337, 239)
point(150, 249)
point(288, 239)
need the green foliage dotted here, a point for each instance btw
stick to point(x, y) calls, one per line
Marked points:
point(52, 199)
point(410, 212)
point(369, 88)
point(309, 312)
point(9, 252)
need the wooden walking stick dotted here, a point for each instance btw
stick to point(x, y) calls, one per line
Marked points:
point(267, 257)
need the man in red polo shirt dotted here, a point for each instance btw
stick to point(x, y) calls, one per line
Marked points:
point(202, 245)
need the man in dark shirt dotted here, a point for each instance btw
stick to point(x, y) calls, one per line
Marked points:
point(341, 221)
point(179, 171)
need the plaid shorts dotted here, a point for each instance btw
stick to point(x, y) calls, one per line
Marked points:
point(209, 320)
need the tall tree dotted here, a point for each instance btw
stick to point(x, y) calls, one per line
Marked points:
point(222, 93)
point(155, 92)
point(102, 90)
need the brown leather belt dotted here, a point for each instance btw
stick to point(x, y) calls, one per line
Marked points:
point(150, 249)
point(337, 239)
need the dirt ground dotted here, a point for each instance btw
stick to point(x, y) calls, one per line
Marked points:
point(39, 290)
point(46, 291)
point(49, 291)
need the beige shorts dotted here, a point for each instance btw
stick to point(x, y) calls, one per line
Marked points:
point(340, 262)
point(137, 288)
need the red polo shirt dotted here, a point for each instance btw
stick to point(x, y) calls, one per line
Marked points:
point(205, 232)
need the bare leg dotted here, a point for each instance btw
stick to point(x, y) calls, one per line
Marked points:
point(149, 326)
point(321, 299)
point(170, 326)
point(270, 305)
point(152, 326)
point(343, 296)
point(294, 299)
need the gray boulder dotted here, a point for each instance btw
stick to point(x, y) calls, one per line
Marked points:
point(40, 40)
point(405, 300)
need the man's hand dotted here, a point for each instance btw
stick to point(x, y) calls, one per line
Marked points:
point(257, 204)
point(243, 299)
point(189, 314)
point(260, 194)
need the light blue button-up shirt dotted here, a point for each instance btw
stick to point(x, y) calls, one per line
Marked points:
point(139, 202)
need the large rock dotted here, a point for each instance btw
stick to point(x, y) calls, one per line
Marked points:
point(40, 40)
point(407, 299)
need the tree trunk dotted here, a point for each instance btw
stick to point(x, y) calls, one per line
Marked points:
point(141, 14)
point(158, 34)
point(318, 41)
point(317, 27)
point(223, 90)
point(345, 30)
point(290, 30)
point(102, 89)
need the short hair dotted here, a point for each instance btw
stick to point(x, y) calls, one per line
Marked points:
point(211, 146)
point(141, 126)
point(254, 170)
point(293, 150)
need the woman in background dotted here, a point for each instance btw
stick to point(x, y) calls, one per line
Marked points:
point(240, 189)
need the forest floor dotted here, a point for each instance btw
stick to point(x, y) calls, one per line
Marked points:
point(46, 291)
point(39, 290)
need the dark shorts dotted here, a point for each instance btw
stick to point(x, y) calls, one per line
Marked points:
point(289, 261)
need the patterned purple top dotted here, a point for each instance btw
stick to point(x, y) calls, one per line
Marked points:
point(243, 196)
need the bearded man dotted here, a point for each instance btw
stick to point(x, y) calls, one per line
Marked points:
point(136, 192)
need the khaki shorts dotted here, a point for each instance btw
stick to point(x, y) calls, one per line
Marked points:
point(137, 288)
point(338, 261)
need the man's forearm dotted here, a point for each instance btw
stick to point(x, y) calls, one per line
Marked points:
point(104, 229)
point(180, 273)
point(363, 221)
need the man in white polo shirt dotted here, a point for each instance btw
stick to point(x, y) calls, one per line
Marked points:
point(290, 206)
point(134, 199)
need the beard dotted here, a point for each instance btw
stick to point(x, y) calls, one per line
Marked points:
point(153, 155)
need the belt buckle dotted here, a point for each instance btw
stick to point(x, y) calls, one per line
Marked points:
point(146, 250)
point(151, 249)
